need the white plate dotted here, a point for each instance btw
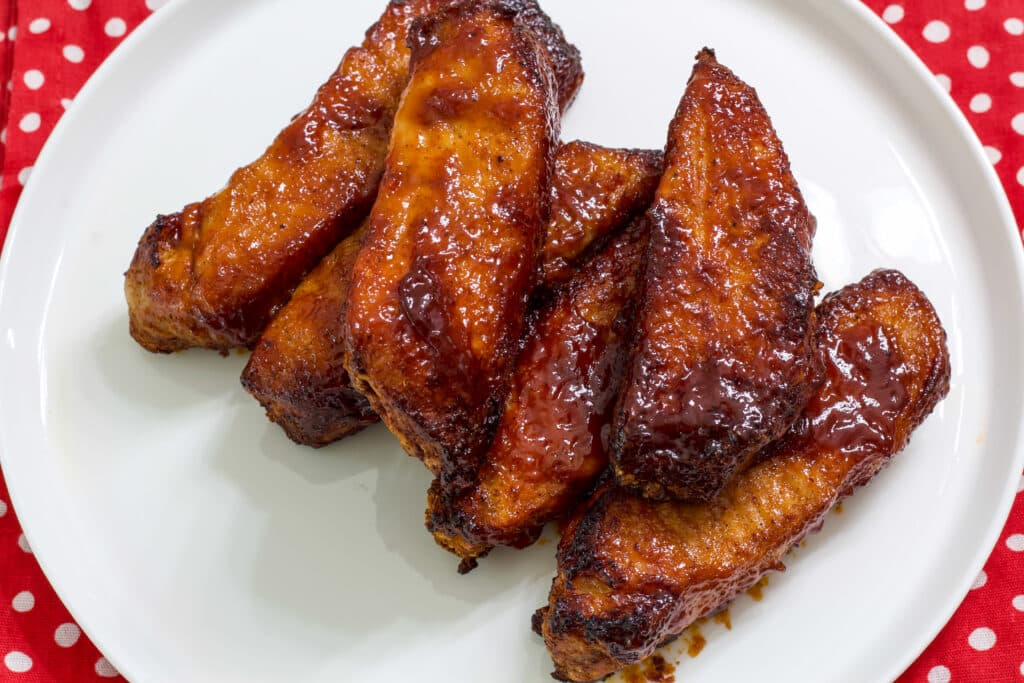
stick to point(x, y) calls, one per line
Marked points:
point(193, 542)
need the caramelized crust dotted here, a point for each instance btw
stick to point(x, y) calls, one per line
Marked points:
point(296, 369)
point(440, 286)
point(214, 274)
point(633, 573)
point(596, 189)
point(723, 360)
point(551, 443)
point(563, 56)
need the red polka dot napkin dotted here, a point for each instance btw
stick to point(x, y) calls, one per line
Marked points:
point(48, 48)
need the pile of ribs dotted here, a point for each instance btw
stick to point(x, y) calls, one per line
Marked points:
point(625, 341)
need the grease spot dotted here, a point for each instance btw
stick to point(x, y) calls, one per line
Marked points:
point(695, 641)
point(757, 590)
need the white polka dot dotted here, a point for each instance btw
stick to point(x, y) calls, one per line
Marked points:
point(1017, 78)
point(994, 155)
point(938, 674)
point(40, 25)
point(12, 33)
point(23, 175)
point(973, 5)
point(980, 580)
point(115, 28)
point(18, 662)
point(30, 122)
point(982, 639)
point(981, 103)
point(22, 541)
point(105, 668)
point(67, 634)
point(73, 53)
point(154, 5)
point(1022, 668)
point(3, 36)
point(65, 102)
point(1014, 26)
point(1017, 123)
point(1015, 542)
point(3, 505)
point(1018, 603)
point(977, 56)
point(3, 136)
point(893, 14)
point(944, 81)
point(23, 601)
point(34, 79)
point(1020, 176)
point(79, 4)
point(936, 32)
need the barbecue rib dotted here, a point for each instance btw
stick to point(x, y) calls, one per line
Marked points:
point(215, 273)
point(296, 369)
point(441, 283)
point(551, 442)
point(633, 573)
point(595, 190)
point(722, 362)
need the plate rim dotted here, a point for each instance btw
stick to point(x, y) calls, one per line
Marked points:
point(958, 118)
point(865, 23)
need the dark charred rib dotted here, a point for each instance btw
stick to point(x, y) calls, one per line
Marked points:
point(723, 362)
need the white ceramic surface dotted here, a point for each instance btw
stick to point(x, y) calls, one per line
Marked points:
point(194, 542)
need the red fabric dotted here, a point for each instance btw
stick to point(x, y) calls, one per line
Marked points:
point(984, 641)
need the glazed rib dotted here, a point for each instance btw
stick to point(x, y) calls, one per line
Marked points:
point(595, 191)
point(633, 573)
point(440, 286)
point(723, 361)
point(215, 273)
point(551, 442)
point(296, 370)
